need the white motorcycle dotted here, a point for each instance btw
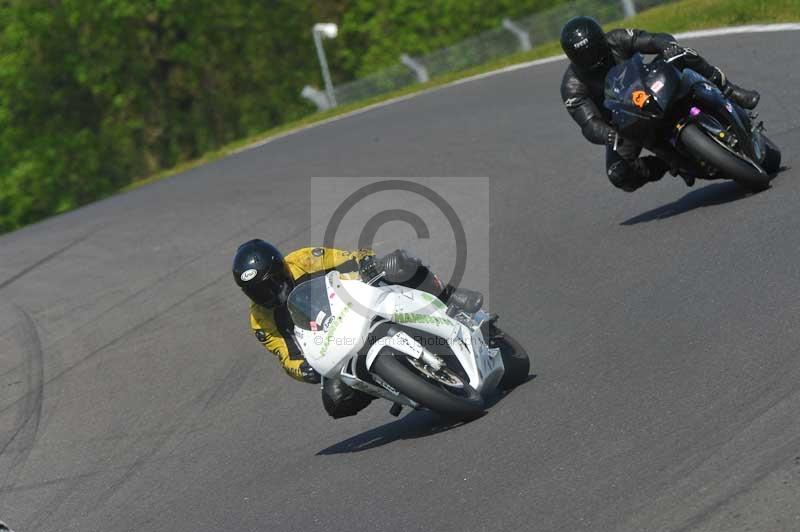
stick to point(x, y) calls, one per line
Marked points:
point(401, 344)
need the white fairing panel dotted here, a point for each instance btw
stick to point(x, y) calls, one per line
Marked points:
point(336, 334)
point(422, 311)
point(340, 334)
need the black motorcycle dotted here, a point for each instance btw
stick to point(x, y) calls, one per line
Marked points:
point(686, 120)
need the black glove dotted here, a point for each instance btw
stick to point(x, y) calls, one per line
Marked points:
point(672, 50)
point(369, 268)
point(308, 373)
point(399, 266)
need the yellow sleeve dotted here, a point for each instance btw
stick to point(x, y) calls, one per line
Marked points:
point(361, 254)
point(308, 261)
point(338, 259)
point(267, 333)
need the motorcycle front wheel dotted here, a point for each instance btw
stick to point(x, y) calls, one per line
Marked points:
point(772, 160)
point(707, 149)
point(515, 360)
point(449, 395)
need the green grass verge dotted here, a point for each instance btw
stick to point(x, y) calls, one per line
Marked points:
point(685, 15)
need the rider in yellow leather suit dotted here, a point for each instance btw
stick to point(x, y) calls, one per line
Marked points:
point(267, 278)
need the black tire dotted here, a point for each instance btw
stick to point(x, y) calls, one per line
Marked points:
point(704, 148)
point(772, 160)
point(425, 392)
point(515, 360)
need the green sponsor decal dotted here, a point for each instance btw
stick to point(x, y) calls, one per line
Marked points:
point(435, 301)
point(326, 342)
point(410, 317)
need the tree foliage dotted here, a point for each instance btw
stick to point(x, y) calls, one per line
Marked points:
point(95, 93)
point(374, 33)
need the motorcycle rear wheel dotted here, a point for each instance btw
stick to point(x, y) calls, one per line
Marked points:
point(706, 149)
point(425, 391)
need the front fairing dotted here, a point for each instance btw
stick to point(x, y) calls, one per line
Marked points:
point(639, 95)
point(329, 326)
point(333, 318)
point(622, 81)
point(663, 82)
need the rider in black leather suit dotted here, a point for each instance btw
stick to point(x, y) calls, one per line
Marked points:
point(593, 53)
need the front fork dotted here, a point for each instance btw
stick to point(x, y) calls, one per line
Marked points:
point(687, 165)
point(725, 121)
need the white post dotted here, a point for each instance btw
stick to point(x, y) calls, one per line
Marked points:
point(519, 33)
point(628, 8)
point(330, 31)
point(319, 98)
point(418, 68)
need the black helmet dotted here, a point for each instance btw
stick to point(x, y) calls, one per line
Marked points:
point(584, 42)
point(261, 273)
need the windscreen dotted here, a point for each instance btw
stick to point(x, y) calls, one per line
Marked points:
point(663, 81)
point(309, 304)
point(624, 79)
point(629, 99)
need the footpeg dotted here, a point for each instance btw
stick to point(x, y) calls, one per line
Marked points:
point(396, 409)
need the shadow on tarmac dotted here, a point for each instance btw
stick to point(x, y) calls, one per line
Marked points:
point(714, 194)
point(416, 424)
point(710, 195)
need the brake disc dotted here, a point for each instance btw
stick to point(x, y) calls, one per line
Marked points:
point(444, 376)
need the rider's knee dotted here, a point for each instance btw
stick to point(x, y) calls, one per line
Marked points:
point(623, 177)
point(340, 400)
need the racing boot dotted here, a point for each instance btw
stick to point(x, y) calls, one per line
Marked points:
point(689, 180)
point(653, 168)
point(463, 300)
point(674, 169)
point(743, 97)
point(666, 161)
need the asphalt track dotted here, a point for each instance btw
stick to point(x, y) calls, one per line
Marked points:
point(664, 324)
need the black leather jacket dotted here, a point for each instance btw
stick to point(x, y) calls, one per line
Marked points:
point(582, 92)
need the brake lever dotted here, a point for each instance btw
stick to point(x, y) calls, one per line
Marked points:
point(376, 278)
